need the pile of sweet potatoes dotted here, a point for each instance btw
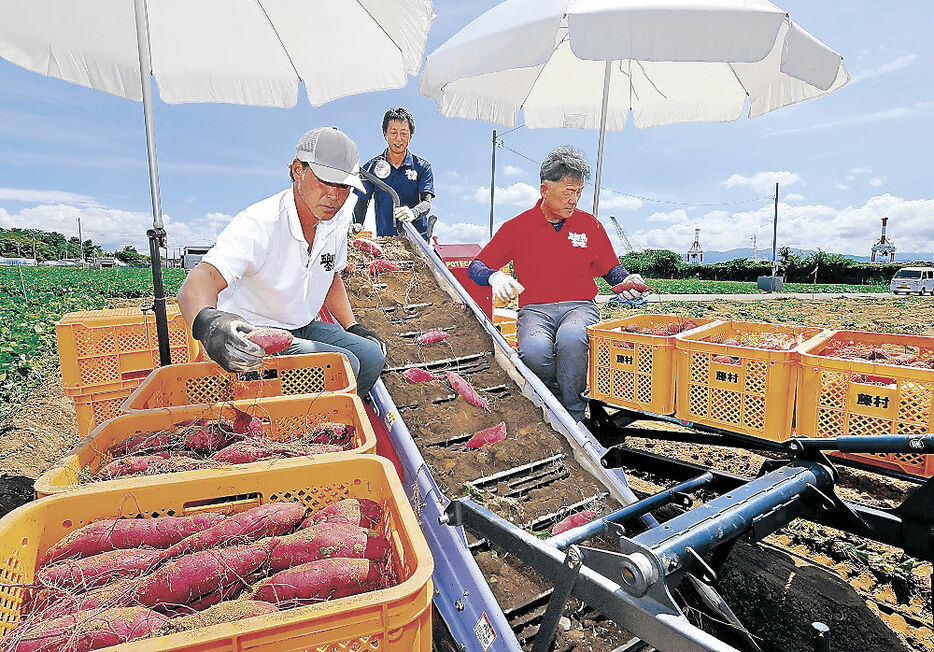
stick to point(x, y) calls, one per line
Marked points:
point(210, 443)
point(119, 580)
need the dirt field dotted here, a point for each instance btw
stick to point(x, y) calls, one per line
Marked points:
point(895, 587)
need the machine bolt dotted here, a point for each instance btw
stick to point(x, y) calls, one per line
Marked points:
point(638, 574)
point(444, 519)
point(459, 605)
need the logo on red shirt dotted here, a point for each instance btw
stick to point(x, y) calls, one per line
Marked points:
point(578, 240)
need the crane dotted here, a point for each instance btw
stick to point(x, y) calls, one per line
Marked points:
point(621, 234)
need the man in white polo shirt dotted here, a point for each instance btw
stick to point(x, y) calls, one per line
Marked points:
point(278, 262)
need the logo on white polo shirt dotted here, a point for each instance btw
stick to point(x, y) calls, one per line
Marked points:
point(578, 239)
point(381, 168)
point(411, 175)
point(327, 262)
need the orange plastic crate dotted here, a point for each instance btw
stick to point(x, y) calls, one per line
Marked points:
point(95, 408)
point(114, 349)
point(633, 370)
point(396, 619)
point(753, 395)
point(834, 398)
point(282, 418)
point(204, 383)
point(506, 322)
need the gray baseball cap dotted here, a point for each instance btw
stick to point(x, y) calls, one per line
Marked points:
point(331, 155)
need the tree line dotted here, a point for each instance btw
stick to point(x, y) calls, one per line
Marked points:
point(796, 268)
point(51, 245)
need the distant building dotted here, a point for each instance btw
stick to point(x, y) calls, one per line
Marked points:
point(695, 255)
point(884, 250)
point(13, 262)
point(191, 256)
point(106, 262)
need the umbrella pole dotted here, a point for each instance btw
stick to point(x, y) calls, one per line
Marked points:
point(157, 233)
point(603, 108)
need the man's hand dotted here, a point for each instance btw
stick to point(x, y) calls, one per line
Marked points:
point(633, 282)
point(223, 336)
point(404, 214)
point(505, 287)
point(362, 331)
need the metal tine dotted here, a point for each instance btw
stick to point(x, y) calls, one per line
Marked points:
point(451, 397)
point(446, 362)
point(542, 521)
point(451, 441)
point(517, 470)
point(407, 307)
point(539, 480)
point(417, 333)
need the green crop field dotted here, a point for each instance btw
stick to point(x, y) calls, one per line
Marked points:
point(698, 286)
point(32, 299)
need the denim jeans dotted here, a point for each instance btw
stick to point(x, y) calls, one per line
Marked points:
point(365, 356)
point(553, 344)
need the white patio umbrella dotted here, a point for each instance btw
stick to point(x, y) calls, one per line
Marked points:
point(250, 52)
point(588, 63)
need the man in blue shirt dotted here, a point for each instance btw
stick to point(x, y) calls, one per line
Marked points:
point(407, 174)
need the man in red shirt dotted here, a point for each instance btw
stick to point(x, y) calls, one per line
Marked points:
point(556, 251)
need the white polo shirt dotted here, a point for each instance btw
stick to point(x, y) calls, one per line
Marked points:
point(273, 277)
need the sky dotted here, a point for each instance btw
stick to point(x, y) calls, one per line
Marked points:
point(843, 161)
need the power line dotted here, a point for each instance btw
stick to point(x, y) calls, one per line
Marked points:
point(641, 197)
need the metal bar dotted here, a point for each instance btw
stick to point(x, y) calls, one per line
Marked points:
point(651, 621)
point(438, 363)
point(644, 506)
point(545, 636)
point(916, 444)
point(158, 227)
point(603, 110)
point(492, 181)
point(780, 492)
point(463, 594)
point(517, 470)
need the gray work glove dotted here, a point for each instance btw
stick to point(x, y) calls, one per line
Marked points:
point(223, 336)
point(362, 331)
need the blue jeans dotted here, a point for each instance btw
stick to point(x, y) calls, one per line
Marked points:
point(366, 358)
point(553, 344)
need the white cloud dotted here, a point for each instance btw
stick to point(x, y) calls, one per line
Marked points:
point(763, 182)
point(795, 197)
point(848, 230)
point(613, 200)
point(899, 63)
point(897, 113)
point(512, 171)
point(110, 227)
point(45, 196)
point(841, 186)
point(861, 170)
point(462, 232)
point(876, 181)
point(518, 194)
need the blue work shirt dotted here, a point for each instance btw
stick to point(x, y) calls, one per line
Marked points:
point(410, 180)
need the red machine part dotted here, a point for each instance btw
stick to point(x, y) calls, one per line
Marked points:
point(457, 258)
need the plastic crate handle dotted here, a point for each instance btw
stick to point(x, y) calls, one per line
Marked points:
point(232, 504)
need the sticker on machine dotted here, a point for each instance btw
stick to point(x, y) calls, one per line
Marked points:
point(485, 632)
point(390, 418)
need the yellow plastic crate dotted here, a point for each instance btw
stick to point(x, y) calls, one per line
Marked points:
point(633, 370)
point(205, 383)
point(114, 349)
point(753, 394)
point(397, 619)
point(282, 418)
point(95, 408)
point(506, 322)
point(836, 398)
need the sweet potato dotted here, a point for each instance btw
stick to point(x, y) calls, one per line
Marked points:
point(415, 375)
point(90, 630)
point(368, 247)
point(257, 451)
point(330, 432)
point(246, 424)
point(272, 340)
point(142, 443)
point(628, 285)
point(326, 540)
point(320, 580)
point(121, 593)
point(361, 512)
point(488, 436)
point(176, 464)
point(208, 438)
point(573, 521)
point(129, 466)
point(269, 520)
point(431, 337)
point(119, 534)
point(465, 389)
point(194, 575)
point(225, 612)
point(91, 572)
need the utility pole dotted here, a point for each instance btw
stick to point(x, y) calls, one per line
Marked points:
point(80, 243)
point(492, 181)
point(34, 249)
point(775, 233)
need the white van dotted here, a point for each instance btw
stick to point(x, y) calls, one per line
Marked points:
point(913, 279)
